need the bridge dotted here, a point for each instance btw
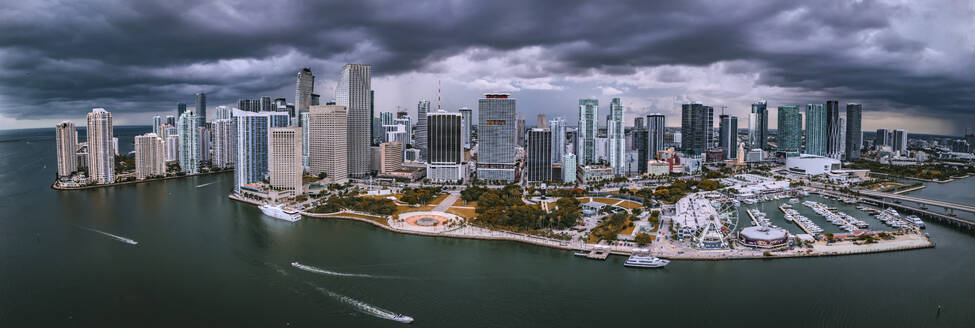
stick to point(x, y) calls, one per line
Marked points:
point(923, 203)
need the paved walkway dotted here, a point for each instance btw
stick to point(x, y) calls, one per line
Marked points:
point(445, 204)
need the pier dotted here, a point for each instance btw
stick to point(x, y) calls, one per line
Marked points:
point(796, 221)
point(921, 211)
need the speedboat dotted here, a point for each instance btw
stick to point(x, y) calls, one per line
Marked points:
point(645, 261)
point(279, 212)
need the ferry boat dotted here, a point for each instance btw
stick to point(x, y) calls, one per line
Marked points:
point(280, 212)
point(645, 261)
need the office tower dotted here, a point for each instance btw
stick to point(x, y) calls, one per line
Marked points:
point(397, 133)
point(790, 129)
point(616, 150)
point(352, 92)
point(882, 137)
point(697, 127)
point(542, 122)
point(267, 105)
point(422, 108)
point(189, 135)
point(201, 109)
point(655, 134)
point(156, 122)
point(304, 87)
point(834, 139)
point(521, 131)
point(223, 113)
point(406, 123)
point(386, 118)
point(728, 136)
point(150, 156)
point(538, 155)
point(900, 141)
point(180, 108)
point(391, 157)
point(816, 130)
point(372, 116)
point(445, 149)
point(171, 120)
point(854, 136)
point(639, 136)
point(66, 138)
point(568, 168)
point(101, 150)
point(758, 125)
point(467, 116)
point(496, 135)
point(328, 142)
point(557, 126)
point(284, 159)
point(223, 143)
point(305, 138)
point(250, 133)
point(588, 127)
point(172, 147)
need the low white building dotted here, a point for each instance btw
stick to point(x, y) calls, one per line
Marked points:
point(811, 164)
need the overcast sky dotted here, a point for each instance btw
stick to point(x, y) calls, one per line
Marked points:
point(910, 63)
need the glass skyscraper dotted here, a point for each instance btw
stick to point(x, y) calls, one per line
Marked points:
point(854, 136)
point(251, 133)
point(728, 136)
point(816, 130)
point(789, 137)
point(496, 137)
point(352, 91)
point(588, 127)
point(697, 127)
point(189, 135)
point(758, 125)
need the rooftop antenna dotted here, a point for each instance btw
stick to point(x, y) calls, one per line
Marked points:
point(438, 95)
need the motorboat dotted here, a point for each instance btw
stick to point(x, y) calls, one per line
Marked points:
point(645, 261)
point(280, 212)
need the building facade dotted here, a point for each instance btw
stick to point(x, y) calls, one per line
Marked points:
point(150, 156)
point(304, 87)
point(201, 109)
point(558, 128)
point(900, 141)
point(697, 127)
point(496, 131)
point(327, 142)
point(467, 116)
point(66, 140)
point(101, 148)
point(189, 142)
point(758, 125)
point(616, 148)
point(251, 140)
point(655, 134)
point(587, 130)
point(834, 130)
point(422, 109)
point(223, 143)
point(816, 130)
point(284, 160)
point(569, 168)
point(854, 136)
point(445, 147)
point(789, 132)
point(391, 157)
point(728, 136)
point(353, 92)
point(538, 155)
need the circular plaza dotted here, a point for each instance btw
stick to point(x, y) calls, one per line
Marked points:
point(426, 221)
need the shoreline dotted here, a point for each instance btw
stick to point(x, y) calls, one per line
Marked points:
point(658, 248)
point(115, 184)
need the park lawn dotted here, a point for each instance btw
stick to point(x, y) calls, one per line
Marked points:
point(628, 230)
point(439, 199)
point(609, 201)
point(406, 209)
point(381, 221)
point(467, 213)
point(629, 204)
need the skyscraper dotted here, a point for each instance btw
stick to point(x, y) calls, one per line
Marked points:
point(406, 123)
point(223, 113)
point(616, 149)
point(697, 127)
point(223, 143)
point(834, 132)
point(284, 159)
point(101, 150)
point(557, 126)
point(816, 130)
point(328, 142)
point(882, 137)
point(542, 122)
point(758, 125)
point(900, 141)
point(201, 109)
point(66, 138)
point(304, 87)
point(655, 134)
point(538, 155)
point(156, 123)
point(639, 136)
point(467, 116)
point(496, 135)
point(203, 143)
point(588, 127)
point(180, 108)
point(854, 136)
point(150, 156)
point(352, 92)
point(422, 108)
point(520, 137)
point(171, 120)
point(189, 141)
point(267, 105)
point(790, 129)
point(305, 138)
point(568, 168)
point(728, 136)
point(251, 134)
point(445, 150)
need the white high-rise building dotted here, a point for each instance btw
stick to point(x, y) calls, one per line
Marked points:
point(250, 134)
point(223, 142)
point(616, 147)
point(150, 156)
point(568, 168)
point(327, 142)
point(304, 87)
point(557, 126)
point(66, 136)
point(172, 148)
point(189, 143)
point(101, 148)
point(352, 92)
point(586, 133)
point(223, 113)
point(422, 108)
point(284, 160)
point(407, 125)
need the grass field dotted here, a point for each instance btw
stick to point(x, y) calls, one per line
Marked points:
point(467, 213)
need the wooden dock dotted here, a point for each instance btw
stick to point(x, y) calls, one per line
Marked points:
point(802, 226)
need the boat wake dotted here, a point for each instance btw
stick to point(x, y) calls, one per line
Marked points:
point(337, 274)
point(367, 308)
point(205, 184)
point(116, 237)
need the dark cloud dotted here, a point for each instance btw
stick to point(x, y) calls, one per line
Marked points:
point(149, 54)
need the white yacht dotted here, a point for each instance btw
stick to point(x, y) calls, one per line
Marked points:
point(645, 261)
point(280, 212)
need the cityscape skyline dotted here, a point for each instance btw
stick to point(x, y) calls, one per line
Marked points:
point(650, 71)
